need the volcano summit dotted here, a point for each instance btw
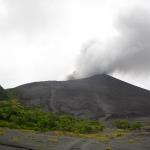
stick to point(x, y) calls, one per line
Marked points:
point(96, 97)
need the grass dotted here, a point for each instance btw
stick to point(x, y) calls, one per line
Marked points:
point(53, 140)
point(105, 136)
point(108, 148)
point(2, 132)
point(15, 139)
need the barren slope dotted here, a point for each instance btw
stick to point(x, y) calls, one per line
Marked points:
point(94, 97)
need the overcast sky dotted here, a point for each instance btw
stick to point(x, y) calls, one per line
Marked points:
point(43, 39)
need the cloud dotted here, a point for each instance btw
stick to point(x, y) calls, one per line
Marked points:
point(126, 53)
point(29, 16)
point(37, 36)
point(30, 31)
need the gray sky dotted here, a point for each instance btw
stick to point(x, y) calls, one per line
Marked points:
point(44, 39)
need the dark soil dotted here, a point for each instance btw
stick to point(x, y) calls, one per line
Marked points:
point(11, 139)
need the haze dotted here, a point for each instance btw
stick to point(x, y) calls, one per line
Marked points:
point(45, 40)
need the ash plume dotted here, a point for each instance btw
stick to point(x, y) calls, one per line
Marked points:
point(127, 53)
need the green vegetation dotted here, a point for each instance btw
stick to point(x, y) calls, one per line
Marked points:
point(125, 124)
point(2, 131)
point(108, 148)
point(15, 115)
point(105, 137)
point(15, 139)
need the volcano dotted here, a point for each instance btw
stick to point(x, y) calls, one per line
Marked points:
point(3, 94)
point(95, 97)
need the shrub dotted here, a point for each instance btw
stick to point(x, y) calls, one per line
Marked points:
point(83, 126)
point(125, 124)
point(14, 115)
point(122, 124)
point(135, 126)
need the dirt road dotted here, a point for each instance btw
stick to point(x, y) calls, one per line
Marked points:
point(27, 140)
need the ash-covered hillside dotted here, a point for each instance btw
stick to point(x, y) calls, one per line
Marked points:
point(99, 96)
point(3, 94)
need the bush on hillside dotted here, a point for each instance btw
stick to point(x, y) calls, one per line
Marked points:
point(125, 124)
point(15, 115)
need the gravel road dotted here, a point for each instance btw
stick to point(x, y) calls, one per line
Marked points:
point(25, 140)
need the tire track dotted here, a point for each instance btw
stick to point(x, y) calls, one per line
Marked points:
point(76, 145)
point(16, 146)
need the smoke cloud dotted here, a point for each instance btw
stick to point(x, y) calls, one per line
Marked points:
point(126, 53)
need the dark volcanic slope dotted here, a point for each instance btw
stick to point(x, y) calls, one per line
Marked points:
point(94, 97)
point(3, 94)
